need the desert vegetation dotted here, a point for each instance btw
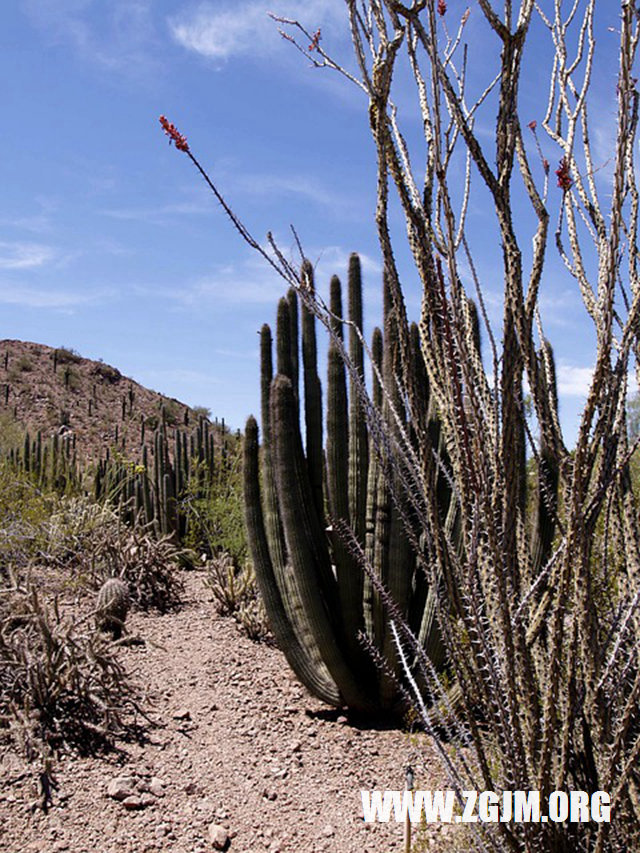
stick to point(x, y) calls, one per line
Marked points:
point(427, 542)
point(534, 586)
point(81, 540)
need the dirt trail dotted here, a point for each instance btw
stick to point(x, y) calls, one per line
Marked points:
point(242, 745)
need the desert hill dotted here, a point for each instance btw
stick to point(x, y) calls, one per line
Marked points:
point(57, 391)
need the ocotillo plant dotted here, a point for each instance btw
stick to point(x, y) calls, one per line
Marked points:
point(547, 658)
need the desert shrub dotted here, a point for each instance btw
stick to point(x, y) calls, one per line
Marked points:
point(235, 594)
point(92, 540)
point(108, 373)
point(67, 355)
point(148, 565)
point(201, 412)
point(24, 364)
point(214, 509)
point(70, 378)
point(60, 681)
point(11, 433)
point(24, 512)
point(172, 412)
point(86, 542)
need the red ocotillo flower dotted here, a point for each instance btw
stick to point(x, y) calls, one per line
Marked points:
point(564, 178)
point(315, 40)
point(442, 7)
point(174, 135)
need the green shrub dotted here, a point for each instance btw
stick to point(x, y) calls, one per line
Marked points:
point(108, 373)
point(215, 521)
point(66, 355)
point(201, 412)
point(24, 513)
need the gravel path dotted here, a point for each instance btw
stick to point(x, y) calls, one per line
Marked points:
point(241, 746)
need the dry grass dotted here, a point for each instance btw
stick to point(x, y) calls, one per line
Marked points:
point(60, 680)
point(235, 594)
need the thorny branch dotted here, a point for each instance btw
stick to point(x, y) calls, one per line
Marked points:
point(533, 648)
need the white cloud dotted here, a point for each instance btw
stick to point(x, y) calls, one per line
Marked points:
point(22, 256)
point(574, 381)
point(33, 297)
point(232, 287)
point(253, 282)
point(161, 214)
point(334, 260)
point(217, 32)
point(307, 187)
point(119, 35)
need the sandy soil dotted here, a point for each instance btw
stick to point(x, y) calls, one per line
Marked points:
point(240, 746)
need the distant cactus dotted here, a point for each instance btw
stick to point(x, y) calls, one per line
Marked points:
point(112, 605)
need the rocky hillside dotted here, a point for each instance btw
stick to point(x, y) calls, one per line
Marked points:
point(56, 390)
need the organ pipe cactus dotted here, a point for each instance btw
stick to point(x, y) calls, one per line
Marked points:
point(316, 594)
point(151, 493)
point(299, 497)
point(51, 463)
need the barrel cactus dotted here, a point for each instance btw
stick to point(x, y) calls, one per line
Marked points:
point(112, 606)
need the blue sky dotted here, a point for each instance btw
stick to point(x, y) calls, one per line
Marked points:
point(111, 244)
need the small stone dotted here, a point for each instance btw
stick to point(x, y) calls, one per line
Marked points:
point(328, 831)
point(342, 719)
point(156, 787)
point(122, 787)
point(147, 799)
point(218, 836)
point(182, 714)
point(132, 803)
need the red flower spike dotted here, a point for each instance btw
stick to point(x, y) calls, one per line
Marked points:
point(174, 135)
point(564, 178)
point(315, 40)
point(545, 166)
point(532, 125)
point(442, 8)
